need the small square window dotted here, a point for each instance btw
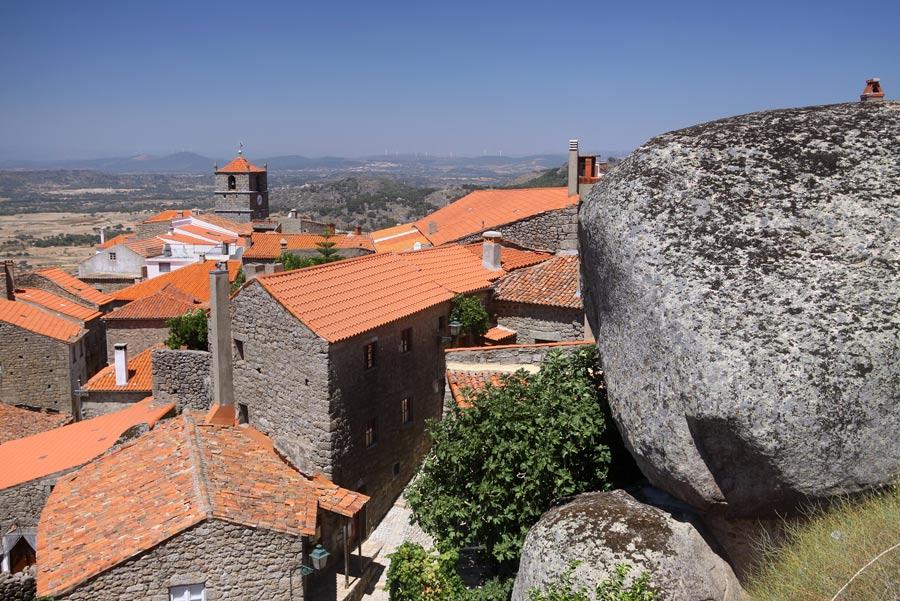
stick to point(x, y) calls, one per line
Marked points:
point(165, 267)
point(243, 414)
point(239, 346)
point(371, 355)
point(112, 256)
point(406, 415)
point(189, 592)
point(371, 432)
point(406, 340)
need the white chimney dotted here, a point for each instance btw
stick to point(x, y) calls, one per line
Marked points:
point(490, 250)
point(121, 363)
point(573, 167)
point(102, 235)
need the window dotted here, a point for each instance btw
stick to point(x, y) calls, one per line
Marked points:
point(243, 414)
point(239, 346)
point(165, 267)
point(406, 410)
point(189, 592)
point(232, 183)
point(371, 432)
point(406, 340)
point(112, 256)
point(371, 357)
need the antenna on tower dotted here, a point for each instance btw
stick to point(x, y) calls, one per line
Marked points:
point(241, 149)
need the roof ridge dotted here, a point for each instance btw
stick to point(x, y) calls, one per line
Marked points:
point(198, 474)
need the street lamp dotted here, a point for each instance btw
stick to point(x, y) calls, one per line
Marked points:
point(454, 328)
point(318, 557)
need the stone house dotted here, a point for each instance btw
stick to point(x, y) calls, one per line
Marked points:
point(62, 284)
point(541, 303)
point(32, 465)
point(341, 364)
point(197, 511)
point(141, 324)
point(42, 357)
point(120, 259)
point(127, 380)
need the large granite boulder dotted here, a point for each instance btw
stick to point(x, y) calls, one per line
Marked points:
point(604, 529)
point(742, 278)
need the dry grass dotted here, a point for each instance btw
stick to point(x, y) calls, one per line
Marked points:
point(820, 556)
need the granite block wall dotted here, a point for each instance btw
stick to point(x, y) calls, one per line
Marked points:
point(182, 377)
point(18, 586)
point(22, 504)
point(139, 335)
point(534, 323)
point(551, 231)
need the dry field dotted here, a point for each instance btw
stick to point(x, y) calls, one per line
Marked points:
point(43, 225)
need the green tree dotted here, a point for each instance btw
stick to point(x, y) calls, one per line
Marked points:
point(290, 261)
point(326, 249)
point(469, 311)
point(494, 468)
point(188, 330)
point(613, 588)
point(419, 575)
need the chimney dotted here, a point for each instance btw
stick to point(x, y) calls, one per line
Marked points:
point(573, 167)
point(873, 91)
point(292, 214)
point(222, 412)
point(9, 280)
point(490, 250)
point(121, 363)
point(102, 235)
point(358, 230)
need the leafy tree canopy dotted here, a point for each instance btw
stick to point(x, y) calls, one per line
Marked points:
point(494, 468)
point(188, 330)
point(469, 311)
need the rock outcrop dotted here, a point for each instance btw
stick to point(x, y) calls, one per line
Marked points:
point(604, 529)
point(743, 280)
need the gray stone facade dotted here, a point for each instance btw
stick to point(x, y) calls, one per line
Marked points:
point(39, 371)
point(551, 231)
point(233, 561)
point(22, 504)
point(139, 335)
point(532, 354)
point(315, 400)
point(36, 280)
point(183, 378)
point(18, 586)
point(540, 323)
point(107, 401)
point(247, 200)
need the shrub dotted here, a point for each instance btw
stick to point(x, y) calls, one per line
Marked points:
point(494, 468)
point(239, 280)
point(846, 545)
point(419, 575)
point(188, 330)
point(613, 588)
point(469, 311)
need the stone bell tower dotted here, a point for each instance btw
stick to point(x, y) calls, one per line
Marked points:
point(242, 190)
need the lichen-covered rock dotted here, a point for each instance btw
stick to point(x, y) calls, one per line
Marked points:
point(742, 279)
point(605, 529)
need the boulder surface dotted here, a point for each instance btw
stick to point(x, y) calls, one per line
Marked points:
point(604, 529)
point(742, 278)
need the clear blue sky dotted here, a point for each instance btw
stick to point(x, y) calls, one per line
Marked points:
point(86, 79)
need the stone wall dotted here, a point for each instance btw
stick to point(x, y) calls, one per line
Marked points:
point(359, 395)
point(18, 586)
point(182, 377)
point(139, 335)
point(281, 376)
point(22, 504)
point(38, 371)
point(35, 280)
point(552, 231)
point(234, 562)
point(143, 231)
point(107, 401)
point(531, 354)
point(539, 322)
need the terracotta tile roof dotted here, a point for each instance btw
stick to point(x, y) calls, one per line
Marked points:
point(140, 375)
point(148, 247)
point(16, 422)
point(167, 303)
point(166, 481)
point(185, 238)
point(240, 165)
point(500, 335)
point(453, 267)
point(267, 245)
point(74, 286)
point(40, 322)
point(512, 258)
point(241, 229)
point(63, 448)
point(168, 215)
point(57, 304)
point(191, 279)
point(488, 209)
point(398, 238)
point(348, 297)
point(116, 240)
point(553, 283)
point(464, 383)
point(199, 230)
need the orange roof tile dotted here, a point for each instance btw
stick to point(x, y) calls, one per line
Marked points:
point(57, 304)
point(241, 229)
point(500, 335)
point(167, 303)
point(348, 297)
point(74, 286)
point(140, 375)
point(40, 322)
point(512, 258)
point(453, 267)
point(168, 215)
point(191, 279)
point(553, 283)
point(240, 165)
point(115, 240)
point(267, 245)
point(63, 448)
point(185, 239)
point(166, 481)
point(148, 247)
point(487, 209)
point(198, 230)
point(16, 422)
point(398, 238)
point(463, 383)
